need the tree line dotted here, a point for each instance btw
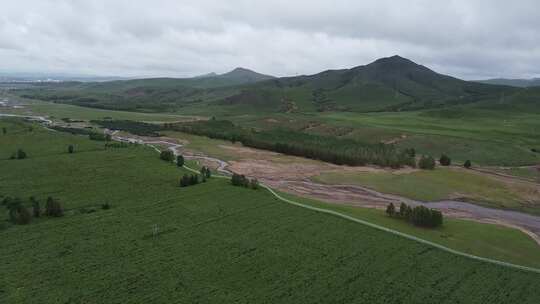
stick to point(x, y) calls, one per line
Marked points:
point(419, 215)
point(339, 151)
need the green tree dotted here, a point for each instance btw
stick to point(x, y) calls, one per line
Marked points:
point(391, 210)
point(467, 164)
point(445, 160)
point(167, 155)
point(180, 161)
point(4, 131)
point(426, 163)
point(71, 149)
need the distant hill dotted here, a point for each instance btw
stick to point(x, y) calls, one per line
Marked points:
point(388, 84)
point(521, 83)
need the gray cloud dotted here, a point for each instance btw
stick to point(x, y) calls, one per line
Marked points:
point(468, 39)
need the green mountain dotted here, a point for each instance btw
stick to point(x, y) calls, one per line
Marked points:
point(388, 84)
point(521, 83)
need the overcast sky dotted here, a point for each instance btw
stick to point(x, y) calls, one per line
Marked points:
point(468, 39)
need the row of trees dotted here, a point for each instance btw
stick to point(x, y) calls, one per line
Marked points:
point(335, 150)
point(243, 181)
point(20, 214)
point(419, 215)
point(428, 162)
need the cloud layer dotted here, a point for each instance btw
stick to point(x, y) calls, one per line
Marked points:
point(468, 39)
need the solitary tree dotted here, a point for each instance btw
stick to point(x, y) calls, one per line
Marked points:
point(167, 155)
point(467, 164)
point(445, 160)
point(71, 149)
point(180, 160)
point(4, 130)
point(391, 209)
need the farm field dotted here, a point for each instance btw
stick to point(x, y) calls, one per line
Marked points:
point(216, 243)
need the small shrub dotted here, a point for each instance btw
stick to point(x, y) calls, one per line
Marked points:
point(21, 154)
point(71, 149)
point(105, 206)
point(467, 164)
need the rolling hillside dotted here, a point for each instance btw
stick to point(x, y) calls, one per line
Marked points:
point(388, 84)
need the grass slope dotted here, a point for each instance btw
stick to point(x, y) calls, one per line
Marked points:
point(217, 243)
point(467, 236)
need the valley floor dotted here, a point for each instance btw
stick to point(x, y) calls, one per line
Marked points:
point(213, 243)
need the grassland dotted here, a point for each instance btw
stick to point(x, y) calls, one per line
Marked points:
point(58, 111)
point(434, 185)
point(467, 236)
point(217, 243)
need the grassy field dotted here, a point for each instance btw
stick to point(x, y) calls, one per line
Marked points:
point(483, 136)
point(467, 236)
point(216, 243)
point(439, 184)
point(58, 110)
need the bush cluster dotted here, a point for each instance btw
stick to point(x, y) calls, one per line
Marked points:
point(20, 154)
point(419, 215)
point(426, 163)
point(167, 155)
point(190, 180)
point(243, 181)
point(19, 214)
